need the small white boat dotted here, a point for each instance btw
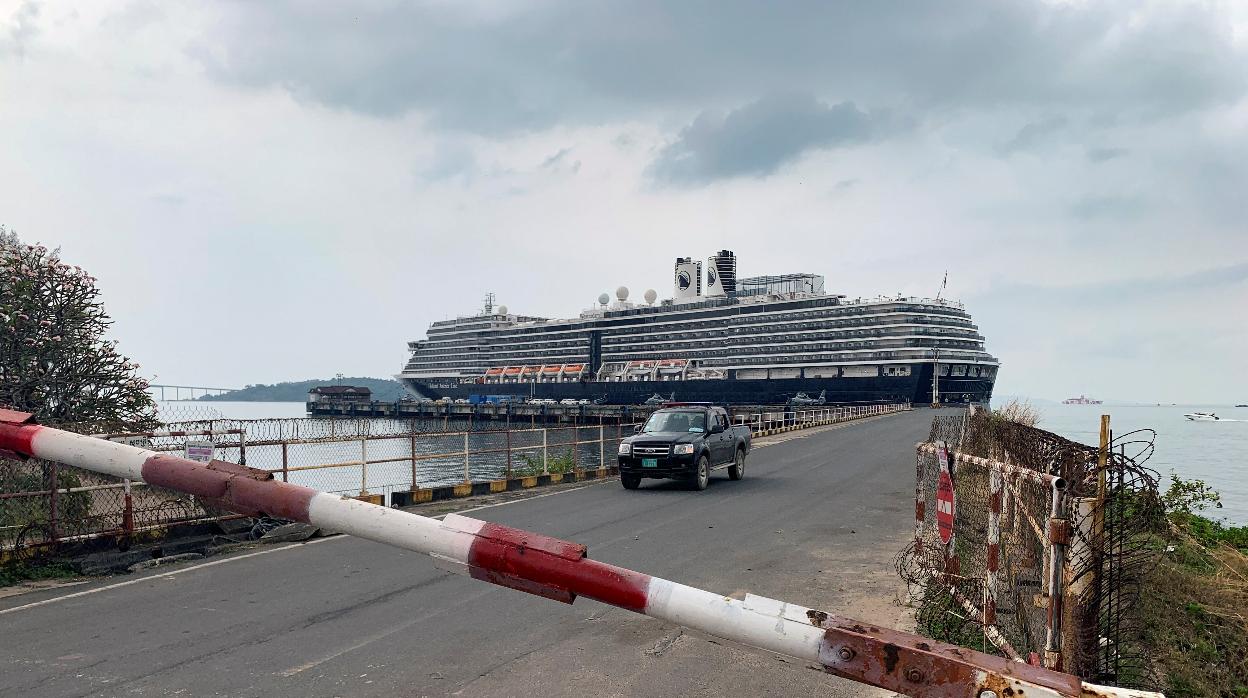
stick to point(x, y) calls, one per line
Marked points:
point(1203, 417)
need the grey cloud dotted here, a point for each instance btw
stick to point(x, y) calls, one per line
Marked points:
point(20, 30)
point(450, 161)
point(1091, 208)
point(1105, 154)
point(1034, 135)
point(1148, 288)
point(758, 138)
point(571, 62)
point(168, 199)
point(560, 162)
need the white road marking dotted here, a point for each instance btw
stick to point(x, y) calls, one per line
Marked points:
point(164, 575)
point(235, 558)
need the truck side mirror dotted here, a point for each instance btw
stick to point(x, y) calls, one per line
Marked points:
point(636, 428)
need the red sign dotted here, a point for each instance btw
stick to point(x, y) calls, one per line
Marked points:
point(944, 497)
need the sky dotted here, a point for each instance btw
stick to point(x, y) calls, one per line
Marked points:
point(283, 190)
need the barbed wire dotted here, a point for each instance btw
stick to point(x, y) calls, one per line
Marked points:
point(1111, 511)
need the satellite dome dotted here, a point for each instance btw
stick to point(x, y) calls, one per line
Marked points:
point(502, 310)
point(651, 296)
point(604, 299)
point(621, 293)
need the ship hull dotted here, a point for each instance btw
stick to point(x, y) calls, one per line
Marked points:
point(915, 388)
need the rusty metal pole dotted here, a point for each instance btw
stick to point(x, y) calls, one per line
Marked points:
point(467, 474)
point(127, 514)
point(53, 513)
point(285, 464)
point(545, 452)
point(1059, 538)
point(242, 447)
point(994, 544)
point(508, 454)
point(920, 504)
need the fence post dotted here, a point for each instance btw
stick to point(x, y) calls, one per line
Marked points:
point(545, 463)
point(127, 514)
point(602, 446)
point(576, 441)
point(508, 454)
point(467, 475)
point(242, 447)
point(285, 464)
point(53, 473)
point(1059, 537)
point(994, 543)
point(920, 503)
point(363, 466)
point(413, 435)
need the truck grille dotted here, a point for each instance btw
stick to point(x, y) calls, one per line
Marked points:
point(650, 450)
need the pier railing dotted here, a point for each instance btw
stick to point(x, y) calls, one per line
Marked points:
point(387, 461)
point(765, 422)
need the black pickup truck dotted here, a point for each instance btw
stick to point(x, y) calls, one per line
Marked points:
point(684, 442)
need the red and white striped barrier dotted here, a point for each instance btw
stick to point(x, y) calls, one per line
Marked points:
point(561, 570)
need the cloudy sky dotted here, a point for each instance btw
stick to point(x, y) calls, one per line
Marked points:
point(272, 191)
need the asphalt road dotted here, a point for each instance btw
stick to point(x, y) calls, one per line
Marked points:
point(816, 521)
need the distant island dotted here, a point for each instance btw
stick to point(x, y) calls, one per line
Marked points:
point(384, 390)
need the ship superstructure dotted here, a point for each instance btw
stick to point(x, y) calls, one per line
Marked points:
point(755, 340)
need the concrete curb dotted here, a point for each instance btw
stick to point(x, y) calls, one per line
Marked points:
point(437, 494)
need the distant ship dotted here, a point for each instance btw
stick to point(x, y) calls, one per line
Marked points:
point(1081, 400)
point(757, 340)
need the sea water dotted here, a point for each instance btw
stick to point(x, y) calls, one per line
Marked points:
point(1216, 452)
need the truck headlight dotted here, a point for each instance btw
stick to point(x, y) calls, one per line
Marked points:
point(682, 449)
point(626, 449)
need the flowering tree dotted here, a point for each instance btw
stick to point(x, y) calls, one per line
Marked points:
point(54, 360)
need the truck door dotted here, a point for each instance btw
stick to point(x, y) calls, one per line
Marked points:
point(722, 440)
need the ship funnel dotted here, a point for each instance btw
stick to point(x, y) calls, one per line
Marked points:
point(688, 279)
point(721, 274)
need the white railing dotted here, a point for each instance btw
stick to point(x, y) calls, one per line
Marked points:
point(770, 421)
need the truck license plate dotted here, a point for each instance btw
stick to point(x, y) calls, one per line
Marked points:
point(649, 462)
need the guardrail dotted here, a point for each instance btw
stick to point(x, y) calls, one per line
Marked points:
point(776, 422)
point(560, 570)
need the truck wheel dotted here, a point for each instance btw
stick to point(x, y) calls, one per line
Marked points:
point(736, 471)
point(630, 482)
point(703, 477)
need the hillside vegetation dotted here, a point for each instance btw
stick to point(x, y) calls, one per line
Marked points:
point(384, 390)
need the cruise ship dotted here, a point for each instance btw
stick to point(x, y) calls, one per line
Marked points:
point(740, 341)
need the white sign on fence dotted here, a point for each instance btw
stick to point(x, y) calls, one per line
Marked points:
point(202, 451)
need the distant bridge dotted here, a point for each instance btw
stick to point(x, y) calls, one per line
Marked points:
point(190, 391)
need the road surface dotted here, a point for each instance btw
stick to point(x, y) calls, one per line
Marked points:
point(816, 521)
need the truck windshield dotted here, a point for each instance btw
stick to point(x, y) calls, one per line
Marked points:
point(676, 421)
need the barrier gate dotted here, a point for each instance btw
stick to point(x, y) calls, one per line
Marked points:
point(561, 570)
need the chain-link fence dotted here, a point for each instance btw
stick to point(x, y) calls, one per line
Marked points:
point(43, 503)
point(1031, 546)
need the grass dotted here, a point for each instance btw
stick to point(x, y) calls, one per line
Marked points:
point(556, 464)
point(14, 572)
point(1195, 608)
